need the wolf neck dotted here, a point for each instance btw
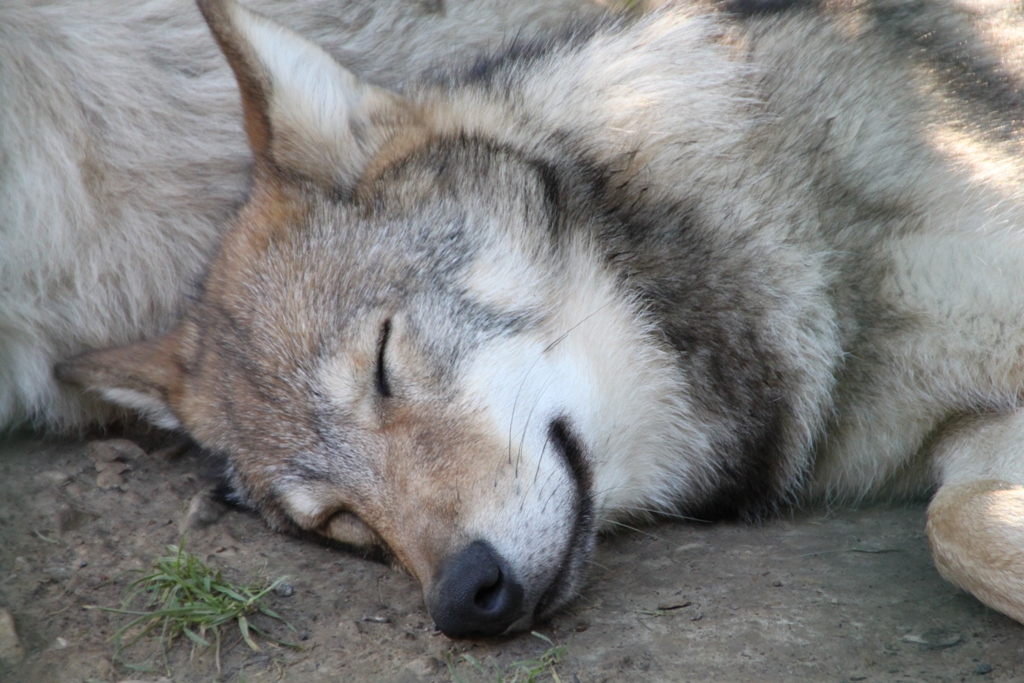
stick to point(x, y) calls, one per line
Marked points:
point(664, 438)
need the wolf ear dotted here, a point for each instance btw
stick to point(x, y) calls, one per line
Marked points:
point(142, 377)
point(303, 111)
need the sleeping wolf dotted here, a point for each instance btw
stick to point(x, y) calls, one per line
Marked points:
point(711, 261)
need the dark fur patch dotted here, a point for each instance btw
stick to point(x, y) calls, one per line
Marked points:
point(216, 468)
point(570, 449)
point(711, 312)
point(552, 191)
point(756, 8)
point(716, 325)
point(954, 49)
point(380, 374)
point(491, 71)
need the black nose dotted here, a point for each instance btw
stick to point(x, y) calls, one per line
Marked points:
point(475, 594)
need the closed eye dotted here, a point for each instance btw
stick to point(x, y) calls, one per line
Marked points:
point(381, 373)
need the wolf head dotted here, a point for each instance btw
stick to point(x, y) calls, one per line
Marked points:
point(406, 340)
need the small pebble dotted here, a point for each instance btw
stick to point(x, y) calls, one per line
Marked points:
point(284, 590)
point(934, 638)
point(57, 573)
point(115, 466)
point(376, 619)
point(113, 449)
point(109, 479)
point(203, 510)
point(982, 668)
point(11, 651)
point(423, 667)
point(100, 451)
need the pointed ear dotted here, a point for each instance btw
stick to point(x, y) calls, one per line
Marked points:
point(303, 111)
point(141, 377)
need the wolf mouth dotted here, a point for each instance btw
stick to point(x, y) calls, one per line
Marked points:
point(570, 448)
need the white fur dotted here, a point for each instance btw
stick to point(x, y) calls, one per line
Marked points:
point(313, 101)
point(302, 504)
point(589, 361)
point(152, 409)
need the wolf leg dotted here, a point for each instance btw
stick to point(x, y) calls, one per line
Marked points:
point(976, 518)
point(976, 531)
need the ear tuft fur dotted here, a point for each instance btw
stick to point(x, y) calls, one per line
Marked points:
point(304, 113)
point(141, 377)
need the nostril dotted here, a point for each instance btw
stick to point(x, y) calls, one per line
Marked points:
point(489, 596)
point(475, 593)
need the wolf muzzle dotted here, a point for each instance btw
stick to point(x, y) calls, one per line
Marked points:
point(475, 594)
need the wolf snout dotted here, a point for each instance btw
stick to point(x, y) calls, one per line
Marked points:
point(475, 594)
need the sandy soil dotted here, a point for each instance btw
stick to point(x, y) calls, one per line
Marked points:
point(845, 596)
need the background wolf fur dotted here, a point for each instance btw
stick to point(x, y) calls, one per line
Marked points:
point(122, 153)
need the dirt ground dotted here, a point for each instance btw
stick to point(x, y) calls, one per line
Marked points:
point(845, 596)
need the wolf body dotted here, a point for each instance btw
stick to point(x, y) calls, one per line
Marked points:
point(692, 264)
point(122, 154)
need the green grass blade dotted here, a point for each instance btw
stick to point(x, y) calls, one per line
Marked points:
point(185, 597)
point(243, 626)
point(195, 637)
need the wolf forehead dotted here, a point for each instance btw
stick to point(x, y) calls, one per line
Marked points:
point(300, 250)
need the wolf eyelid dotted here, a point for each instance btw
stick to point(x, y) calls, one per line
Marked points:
point(353, 530)
point(380, 375)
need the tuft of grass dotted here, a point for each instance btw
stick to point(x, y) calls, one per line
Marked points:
point(187, 598)
point(523, 671)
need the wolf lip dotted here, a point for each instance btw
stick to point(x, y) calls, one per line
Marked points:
point(564, 586)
